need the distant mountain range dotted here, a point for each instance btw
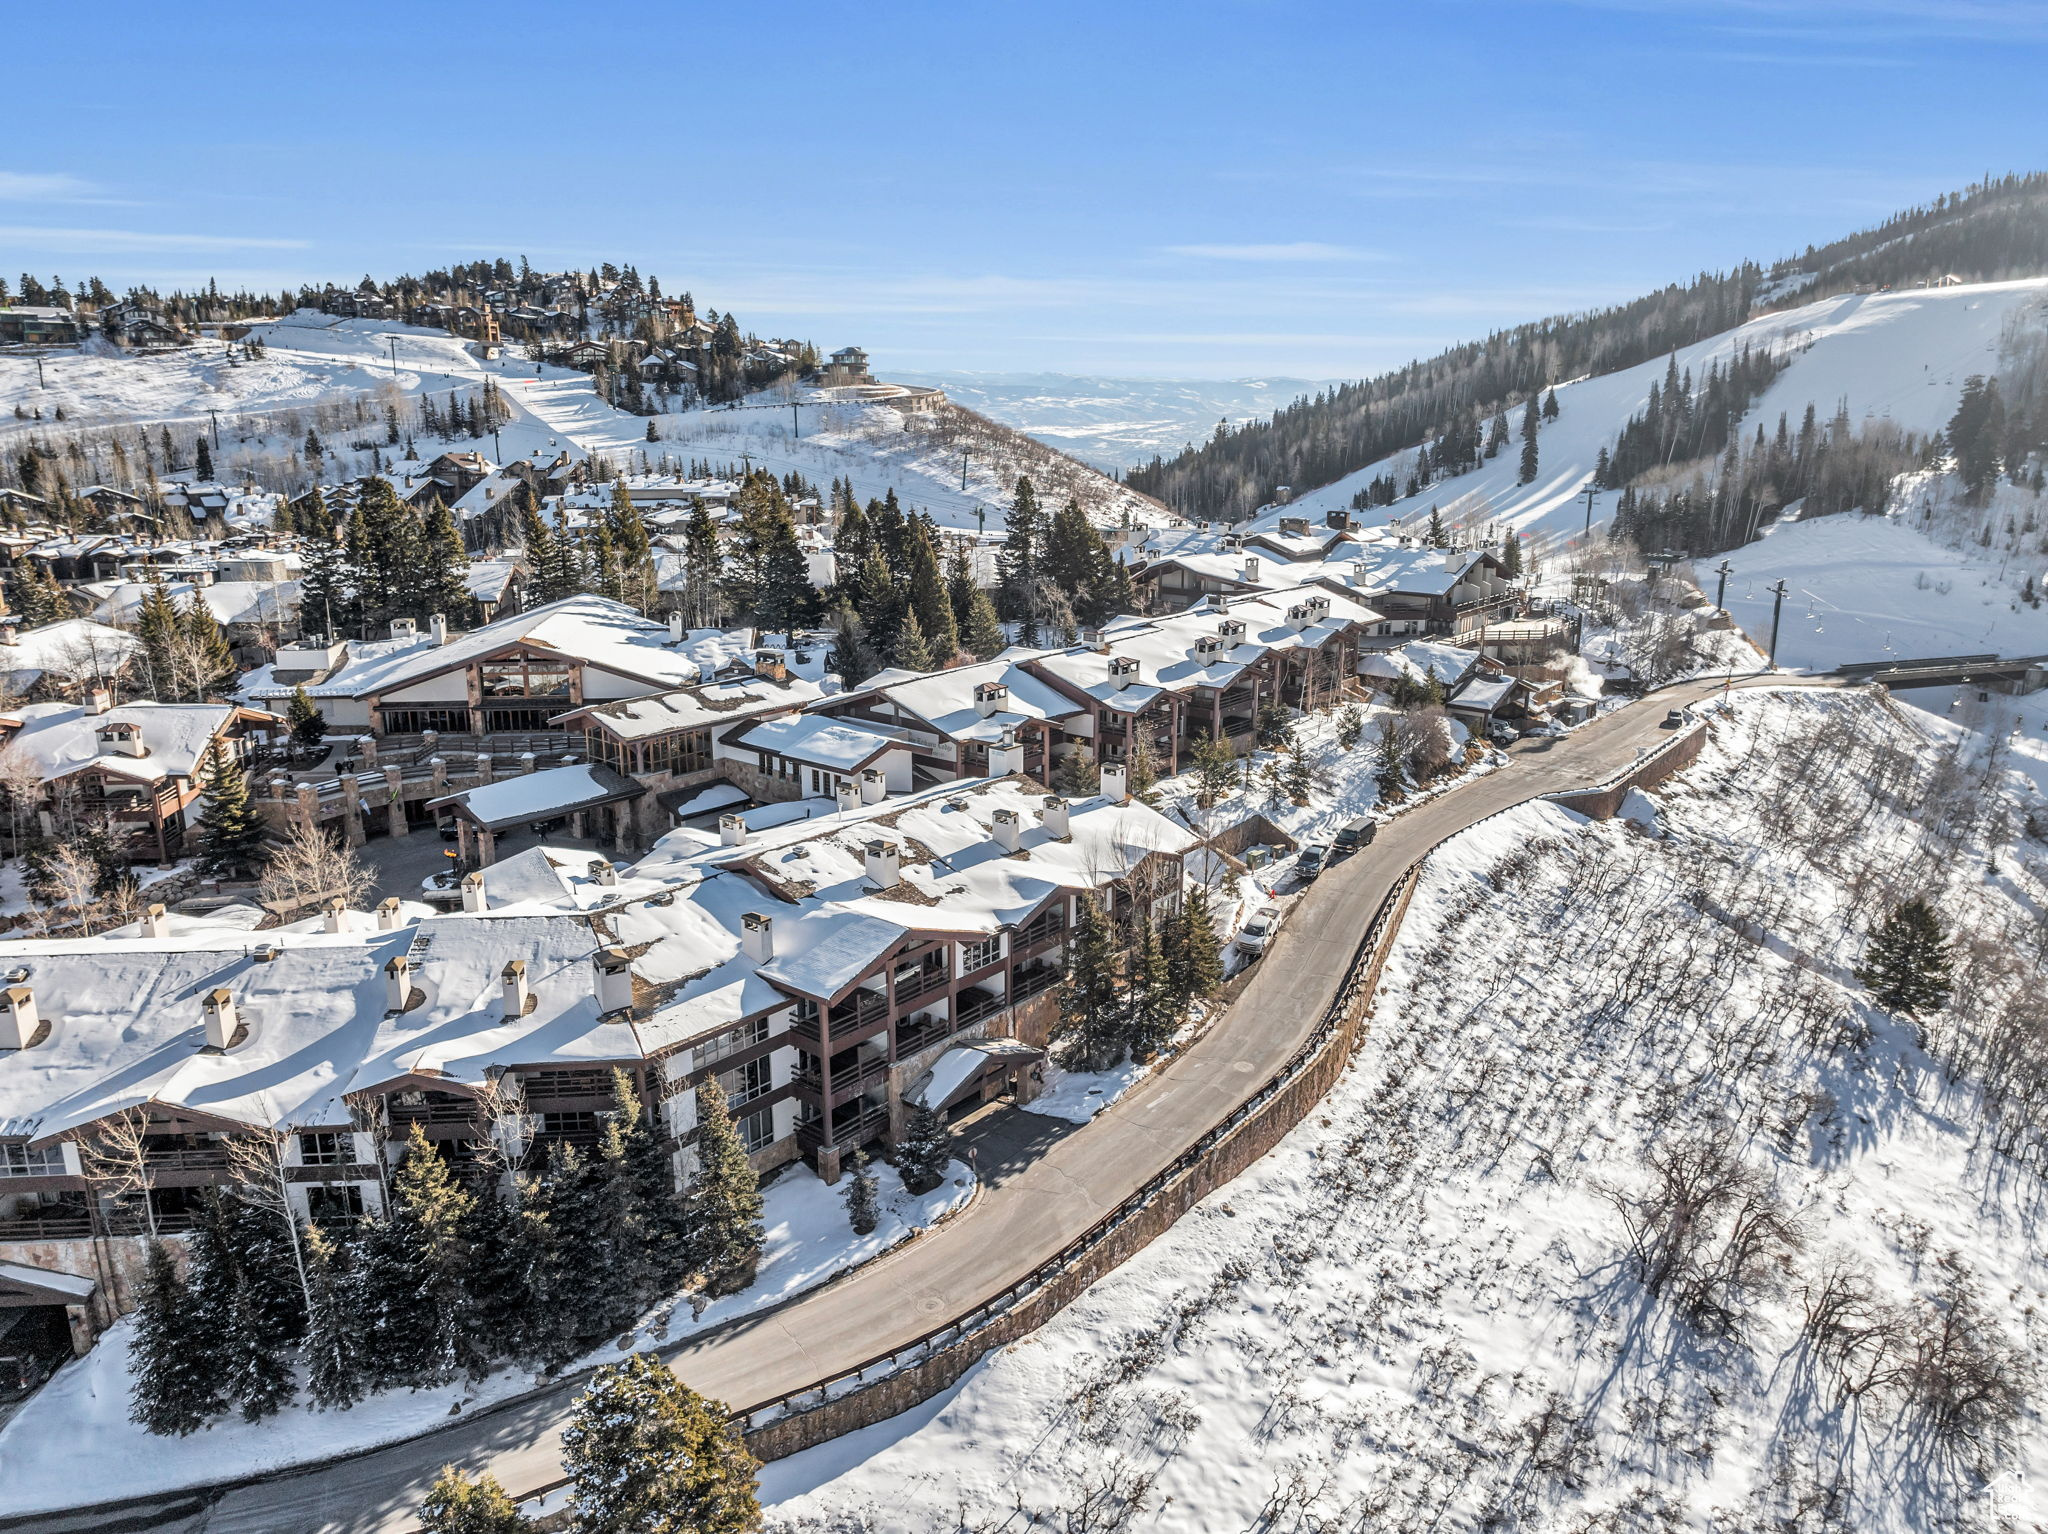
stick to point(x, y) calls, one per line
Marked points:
point(1114, 422)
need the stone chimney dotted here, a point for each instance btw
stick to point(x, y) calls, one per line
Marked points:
point(614, 981)
point(732, 831)
point(473, 891)
point(757, 936)
point(218, 1007)
point(1114, 776)
point(1055, 816)
point(397, 983)
point(10, 629)
point(848, 796)
point(155, 922)
point(334, 915)
point(874, 785)
point(1008, 829)
point(97, 701)
point(770, 666)
point(884, 862)
point(990, 698)
point(513, 989)
point(18, 1019)
point(438, 627)
point(1282, 494)
point(388, 918)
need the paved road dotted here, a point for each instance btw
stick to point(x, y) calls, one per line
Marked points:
point(1038, 1198)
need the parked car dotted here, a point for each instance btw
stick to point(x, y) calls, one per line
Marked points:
point(1355, 834)
point(1258, 932)
point(1674, 719)
point(1310, 863)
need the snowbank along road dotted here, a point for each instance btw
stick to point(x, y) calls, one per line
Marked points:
point(1033, 1206)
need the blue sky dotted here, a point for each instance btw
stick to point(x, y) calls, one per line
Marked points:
point(1177, 190)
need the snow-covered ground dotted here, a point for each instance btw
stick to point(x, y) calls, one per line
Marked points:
point(315, 360)
point(81, 1416)
point(1420, 1311)
point(1115, 423)
point(1898, 356)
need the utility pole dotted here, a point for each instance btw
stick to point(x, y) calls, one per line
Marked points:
point(796, 425)
point(216, 429)
point(1777, 606)
point(963, 470)
point(392, 342)
point(1590, 493)
point(1724, 570)
point(41, 382)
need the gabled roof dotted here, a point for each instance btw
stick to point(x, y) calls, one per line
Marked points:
point(62, 738)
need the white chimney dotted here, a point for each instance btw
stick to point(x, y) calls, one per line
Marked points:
point(757, 937)
point(97, 701)
point(614, 981)
point(334, 915)
point(602, 872)
point(1123, 670)
point(1451, 559)
point(1114, 776)
point(397, 983)
point(473, 891)
point(990, 698)
point(1251, 569)
point(512, 987)
point(1008, 829)
point(18, 1019)
point(884, 862)
point(848, 796)
point(218, 1005)
point(387, 915)
point(675, 628)
point(155, 922)
point(123, 737)
point(1006, 756)
point(874, 785)
point(438, 627)
point(1054, 817)
point(732, 831)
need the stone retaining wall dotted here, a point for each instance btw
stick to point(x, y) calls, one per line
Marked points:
point(1604, 803)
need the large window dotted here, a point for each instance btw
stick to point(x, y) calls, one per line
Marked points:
point(974, 956)
point(726, 1045)
point(20, 1161)
point(679, 751)
point(410, 721)
point(519, 678)
point(341, 1204)
point(323, 1148)
point(747, 1082)
point(757, 1130)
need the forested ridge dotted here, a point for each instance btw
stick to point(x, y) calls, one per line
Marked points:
point(1990, 231)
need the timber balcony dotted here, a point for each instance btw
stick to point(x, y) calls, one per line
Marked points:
point(849, 1130)
point(1035, 979)
point(848, 1081)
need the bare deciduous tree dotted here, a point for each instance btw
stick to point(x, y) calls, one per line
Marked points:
point(311, 866)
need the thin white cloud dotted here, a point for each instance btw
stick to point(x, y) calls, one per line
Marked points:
point(34, 186)
point(1298, 250)
point(88, 242)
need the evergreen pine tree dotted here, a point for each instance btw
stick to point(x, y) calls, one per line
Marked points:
point(911, 653)
point(1529, 425)
point(327, 591)
point(879, 603)
point(645, 1454)
point(1497, 434)
point(851, 660)
point(230, 830)
point(724, 1199)
point(1907, 965)
point(1017, 565)
point(658, 1214)
point(1150, 1014)
point(926, 1150)
point(1091, 1003)
point(1436, 537)
point(930, 601)
point(308, 728)
point(1195, 962)
point(177, 1386)
point(1350, 726)
point(202, 460)
point(248, 1279)
point(429, 1215)
point(982, 633)
point(157, 628)
point(785, 600)
point(508, 1249)
point(443, 584)
point(703, 568)
point(457, 1505)
point(1077, 776)
point(863, 1212)
point(335, 1366)
point(1550, 406)
point(212, 671)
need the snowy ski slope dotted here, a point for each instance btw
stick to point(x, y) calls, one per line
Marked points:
point(1900, 356)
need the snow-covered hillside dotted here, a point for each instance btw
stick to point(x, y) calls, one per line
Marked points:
point(954, 466)
point(1114, 423)
point(1896, 356)
point(1440, 1304)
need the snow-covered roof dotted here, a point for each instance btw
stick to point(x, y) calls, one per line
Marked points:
point(62, 738)
point(1484, 693)
point(542, 795)
point(691, 707)
point(844, 745)
point(945, 699)
point(71, 648)
point(228, 601)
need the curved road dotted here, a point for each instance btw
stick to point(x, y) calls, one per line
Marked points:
point(1037, 1198)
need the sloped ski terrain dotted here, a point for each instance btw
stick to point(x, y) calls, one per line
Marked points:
point(1632, 1215)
